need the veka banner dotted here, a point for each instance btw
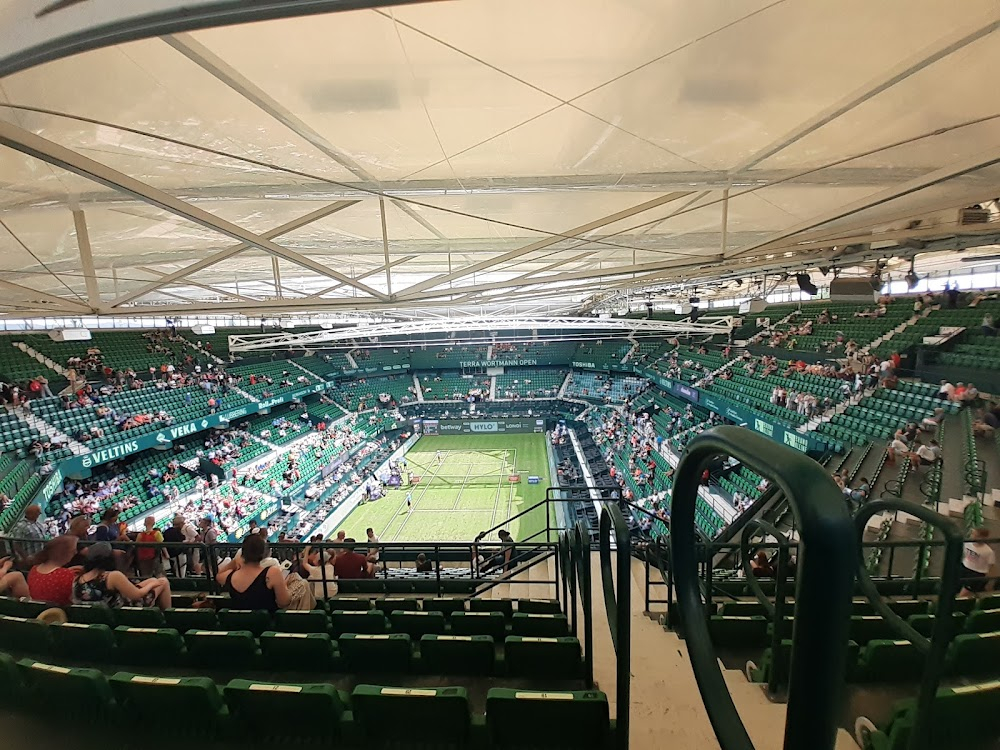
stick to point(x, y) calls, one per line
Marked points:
point(82, 464)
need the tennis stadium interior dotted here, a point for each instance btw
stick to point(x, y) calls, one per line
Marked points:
point(602, 374)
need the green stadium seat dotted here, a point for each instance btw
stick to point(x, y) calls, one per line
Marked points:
point(983, 621)
point(967, 716)
point(11, 684)
point(990, 601)
point(185, 619)
point(742, 609)
point(907, 607)
point(924, 624)
point(23, 634)
point(506, 606)
point(301, 621)
point(306, 711)
point(479, 623)
point(550, 626)
point(232, 649)
point(80, 693)
point(254, 620)
point(349, 604)
point(779, 664)
point(889, 661)
point(365, 653)
point(149, 646)
point(738, 631)
point(91, 614)
point(446, 606)
point(417, 624)
point(420, 717)
point(974, 654)
point(77, 640)
point(372, 621)
point(539, 606)
point(26, 608)
point(146, 701)
point(394, 604)
point(458, 654)
point(140, 617)
point(306, 652)
point(565, 720)
point(540, 657)
point(865, 628)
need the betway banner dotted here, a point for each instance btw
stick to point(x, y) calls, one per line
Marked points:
point(82, 464)
point(481, 426)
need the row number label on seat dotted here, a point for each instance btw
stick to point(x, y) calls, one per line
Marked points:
point(544, 696)
point(270, 688)
point(418, 692)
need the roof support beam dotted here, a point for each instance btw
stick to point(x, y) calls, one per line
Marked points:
point(276, 273)
point(365, 275)
point(222, 255)
point(540, 244)
point(215, 66)
point(55, 304)
point(385, 246)
point(956, 169)
point(199, 285)
point(926, 57)
point(28, 143)
point(86, 259)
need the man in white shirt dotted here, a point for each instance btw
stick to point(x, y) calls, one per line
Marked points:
point(929, 454)
point(945, 390)
point(978, 560)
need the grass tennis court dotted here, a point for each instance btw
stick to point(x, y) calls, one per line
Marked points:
point(467, 492)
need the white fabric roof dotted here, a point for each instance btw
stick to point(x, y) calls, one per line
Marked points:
point(523, 150)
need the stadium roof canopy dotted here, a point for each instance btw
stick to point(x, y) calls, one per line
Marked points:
point(463, 154)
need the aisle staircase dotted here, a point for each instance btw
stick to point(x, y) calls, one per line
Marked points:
point(420, 391)
point(47, 361)
point(211, 355)
point(898, 329)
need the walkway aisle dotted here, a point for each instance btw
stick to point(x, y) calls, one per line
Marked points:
point(666, 707)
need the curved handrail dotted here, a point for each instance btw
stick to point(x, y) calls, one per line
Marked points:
point(581, 540)
point(827, 559)
point(618, 607)
point(935, 648)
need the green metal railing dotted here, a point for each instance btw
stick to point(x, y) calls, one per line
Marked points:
point(936, 647)
point(617, 603)
point(776, 609)
point(827, 560)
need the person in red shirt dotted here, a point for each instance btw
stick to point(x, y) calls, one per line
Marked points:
point(350, 564)
point(48, 580)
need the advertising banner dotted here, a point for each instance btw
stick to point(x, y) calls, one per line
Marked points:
point(82, 464)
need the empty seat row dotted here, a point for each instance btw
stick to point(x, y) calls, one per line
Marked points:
point(414, 622)
point(884, 660)
point(371, 715)
point(523, 656)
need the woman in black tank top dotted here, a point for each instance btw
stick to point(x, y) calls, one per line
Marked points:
point(249, 584)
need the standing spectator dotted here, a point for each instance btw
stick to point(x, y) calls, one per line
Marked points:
point(372, 551)
point(31, 528)
point(978, 560)
point(988, 327)
point(149, 559)
point(174, 535)
point(350, 564)
point(107, 529)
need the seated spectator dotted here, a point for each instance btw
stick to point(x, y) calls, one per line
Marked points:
point(102, 583)
point(978, 561)
point(929, 454)
point(761, 566)
point(49, 580)
point(248, 583)
point(317, 568)
point(12, 583)
point(423, 564)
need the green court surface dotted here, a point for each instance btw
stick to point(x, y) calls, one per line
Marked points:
point(466, 492)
